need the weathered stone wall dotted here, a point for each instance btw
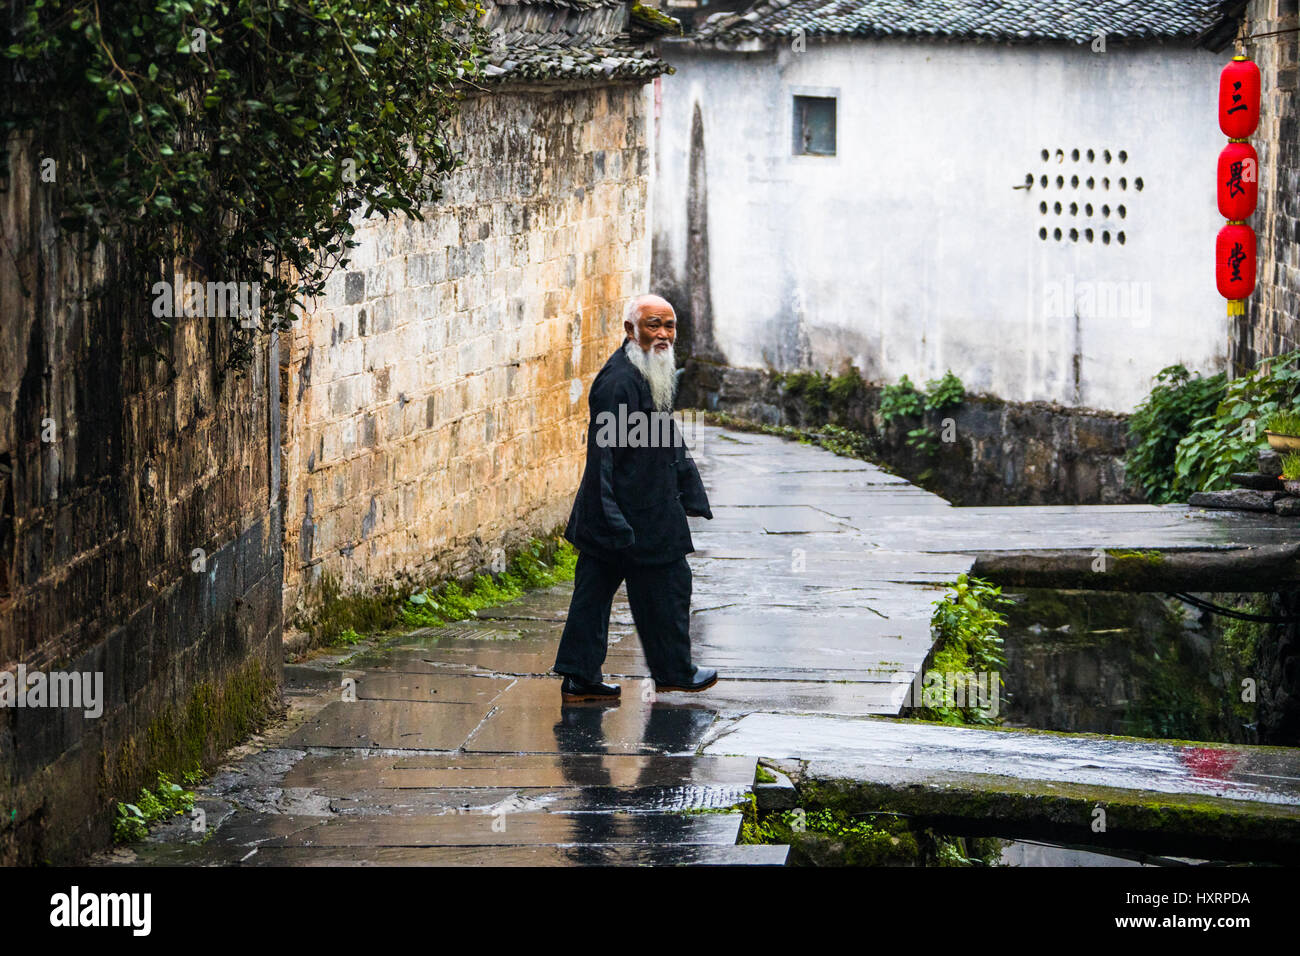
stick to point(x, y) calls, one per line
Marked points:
point(1002, 453)
point(115, 465)
point(1279, 677)
point(1271, 324)
point(436, 398)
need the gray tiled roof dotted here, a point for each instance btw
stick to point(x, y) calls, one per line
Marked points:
point(546, 56)
point(550, 40)
point(1076, 21)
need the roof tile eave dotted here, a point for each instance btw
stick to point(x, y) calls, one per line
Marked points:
point(1015, 20)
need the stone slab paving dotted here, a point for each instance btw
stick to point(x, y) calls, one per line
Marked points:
point(813, 589)
point(1257, 774)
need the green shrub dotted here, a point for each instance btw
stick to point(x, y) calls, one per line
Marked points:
point(844, 389)
point(129, 824)
point(900, 400)
point(813, 387)
point(966, 623)
point(1291, 466)
point(1229, 439)
point(1178, 399)
point(904, 399)
point(132, 820)
point(347, 636)
point(944, 392)
point(193, 777)
point(923, 440)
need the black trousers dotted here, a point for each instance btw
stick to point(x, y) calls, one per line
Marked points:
point(660, 597)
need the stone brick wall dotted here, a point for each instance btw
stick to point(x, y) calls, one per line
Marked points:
point(1271, 324)
point(115, 465)
point(435, 400)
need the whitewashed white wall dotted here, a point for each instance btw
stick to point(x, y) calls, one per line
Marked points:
point(909, 252)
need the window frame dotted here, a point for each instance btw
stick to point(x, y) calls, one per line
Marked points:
point(798, 93)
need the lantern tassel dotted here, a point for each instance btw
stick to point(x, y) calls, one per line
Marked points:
point(1236, 307)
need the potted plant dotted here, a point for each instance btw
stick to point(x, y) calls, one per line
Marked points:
point(1283, 431)
point(1291, 472)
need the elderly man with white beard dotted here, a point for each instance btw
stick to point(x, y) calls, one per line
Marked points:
point(629, 517)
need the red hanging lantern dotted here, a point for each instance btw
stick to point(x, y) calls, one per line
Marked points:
point(1239, 98)
point(1234, 265)
point(1238, 186)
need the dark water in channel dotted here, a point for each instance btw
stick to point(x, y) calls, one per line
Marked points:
point(1142, 665)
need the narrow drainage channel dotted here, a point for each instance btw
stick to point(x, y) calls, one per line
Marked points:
point(1141, 665)
point(1130, 664)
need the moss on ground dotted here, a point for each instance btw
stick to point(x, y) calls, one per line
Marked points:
point(840, 837)
point(841, 441)
point(186, 737)
point(529, 569)
point(344, 619)
point(1143, 557)
point(1143, 820)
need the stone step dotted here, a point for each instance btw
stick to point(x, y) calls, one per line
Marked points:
point(1262, 775)
point(1237, 499)
point(1256, 481)
point(1191, 799)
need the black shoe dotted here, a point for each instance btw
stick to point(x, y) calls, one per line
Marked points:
point(575, 688)
point(704, 677)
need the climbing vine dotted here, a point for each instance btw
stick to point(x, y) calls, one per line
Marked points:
point(241, 137)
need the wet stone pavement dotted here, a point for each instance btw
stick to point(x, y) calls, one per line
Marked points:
point(813, 588)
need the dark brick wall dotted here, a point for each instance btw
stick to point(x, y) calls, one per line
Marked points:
point(1271, 324)
point(153, 452)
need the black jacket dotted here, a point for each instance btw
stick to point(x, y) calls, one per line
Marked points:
point(639, 484)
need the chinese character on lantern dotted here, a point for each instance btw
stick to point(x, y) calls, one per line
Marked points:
point(1238, 185)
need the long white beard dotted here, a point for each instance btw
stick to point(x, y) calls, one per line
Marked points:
point(660, 371)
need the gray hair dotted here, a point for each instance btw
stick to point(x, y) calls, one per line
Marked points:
point(633, 311)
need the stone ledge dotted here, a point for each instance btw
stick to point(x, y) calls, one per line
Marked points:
point(1237, 499)
point(1232, 569)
